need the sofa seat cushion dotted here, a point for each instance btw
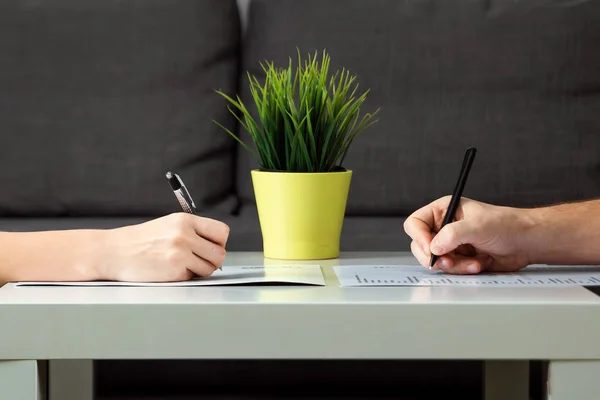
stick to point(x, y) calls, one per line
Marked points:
point(244, 236)
point(99, 98)
point(52, 224)
point(359, 233)
point(520, 80)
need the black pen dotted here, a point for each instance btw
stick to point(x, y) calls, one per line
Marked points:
point(457, 194)
point(182, 194)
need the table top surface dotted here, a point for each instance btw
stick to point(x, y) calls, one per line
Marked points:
point(300, 321)
point(331, 293)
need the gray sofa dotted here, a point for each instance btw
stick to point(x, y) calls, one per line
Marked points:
point(98, 99)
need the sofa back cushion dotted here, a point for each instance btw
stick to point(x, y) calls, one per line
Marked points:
point(99, 98)
point(518, 80)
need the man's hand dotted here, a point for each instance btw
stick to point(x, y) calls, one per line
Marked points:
point(176, 247)
point(483, 237)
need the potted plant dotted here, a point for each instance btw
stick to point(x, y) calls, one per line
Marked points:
point(302, 126)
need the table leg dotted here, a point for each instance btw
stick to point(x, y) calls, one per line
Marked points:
point(23, 380)
point(71, 379)
point(574, 380)
point(506, 380)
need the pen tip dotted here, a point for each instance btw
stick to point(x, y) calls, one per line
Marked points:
point(169, 175)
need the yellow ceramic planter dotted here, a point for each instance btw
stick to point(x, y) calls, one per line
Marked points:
point(301, 214)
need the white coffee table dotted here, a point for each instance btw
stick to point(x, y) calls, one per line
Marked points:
point(507, 327)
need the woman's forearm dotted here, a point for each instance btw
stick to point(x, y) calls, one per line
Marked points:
point(564, 234)
point(70, 255)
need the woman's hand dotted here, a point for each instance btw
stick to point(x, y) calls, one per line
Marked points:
point(176, 247)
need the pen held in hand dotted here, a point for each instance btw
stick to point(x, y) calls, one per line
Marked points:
point(183, 196)
point(457, 194)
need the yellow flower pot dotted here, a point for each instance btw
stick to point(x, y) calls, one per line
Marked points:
point(301, 214)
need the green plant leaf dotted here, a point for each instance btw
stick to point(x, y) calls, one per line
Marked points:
point(303, 118)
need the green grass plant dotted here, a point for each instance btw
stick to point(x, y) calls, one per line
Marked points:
point(304, 120)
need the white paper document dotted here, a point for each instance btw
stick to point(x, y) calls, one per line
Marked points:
point(411, 275)
point(230, 275)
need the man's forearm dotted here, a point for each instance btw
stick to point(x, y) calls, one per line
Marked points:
point(564, 234)
point(49, 256)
